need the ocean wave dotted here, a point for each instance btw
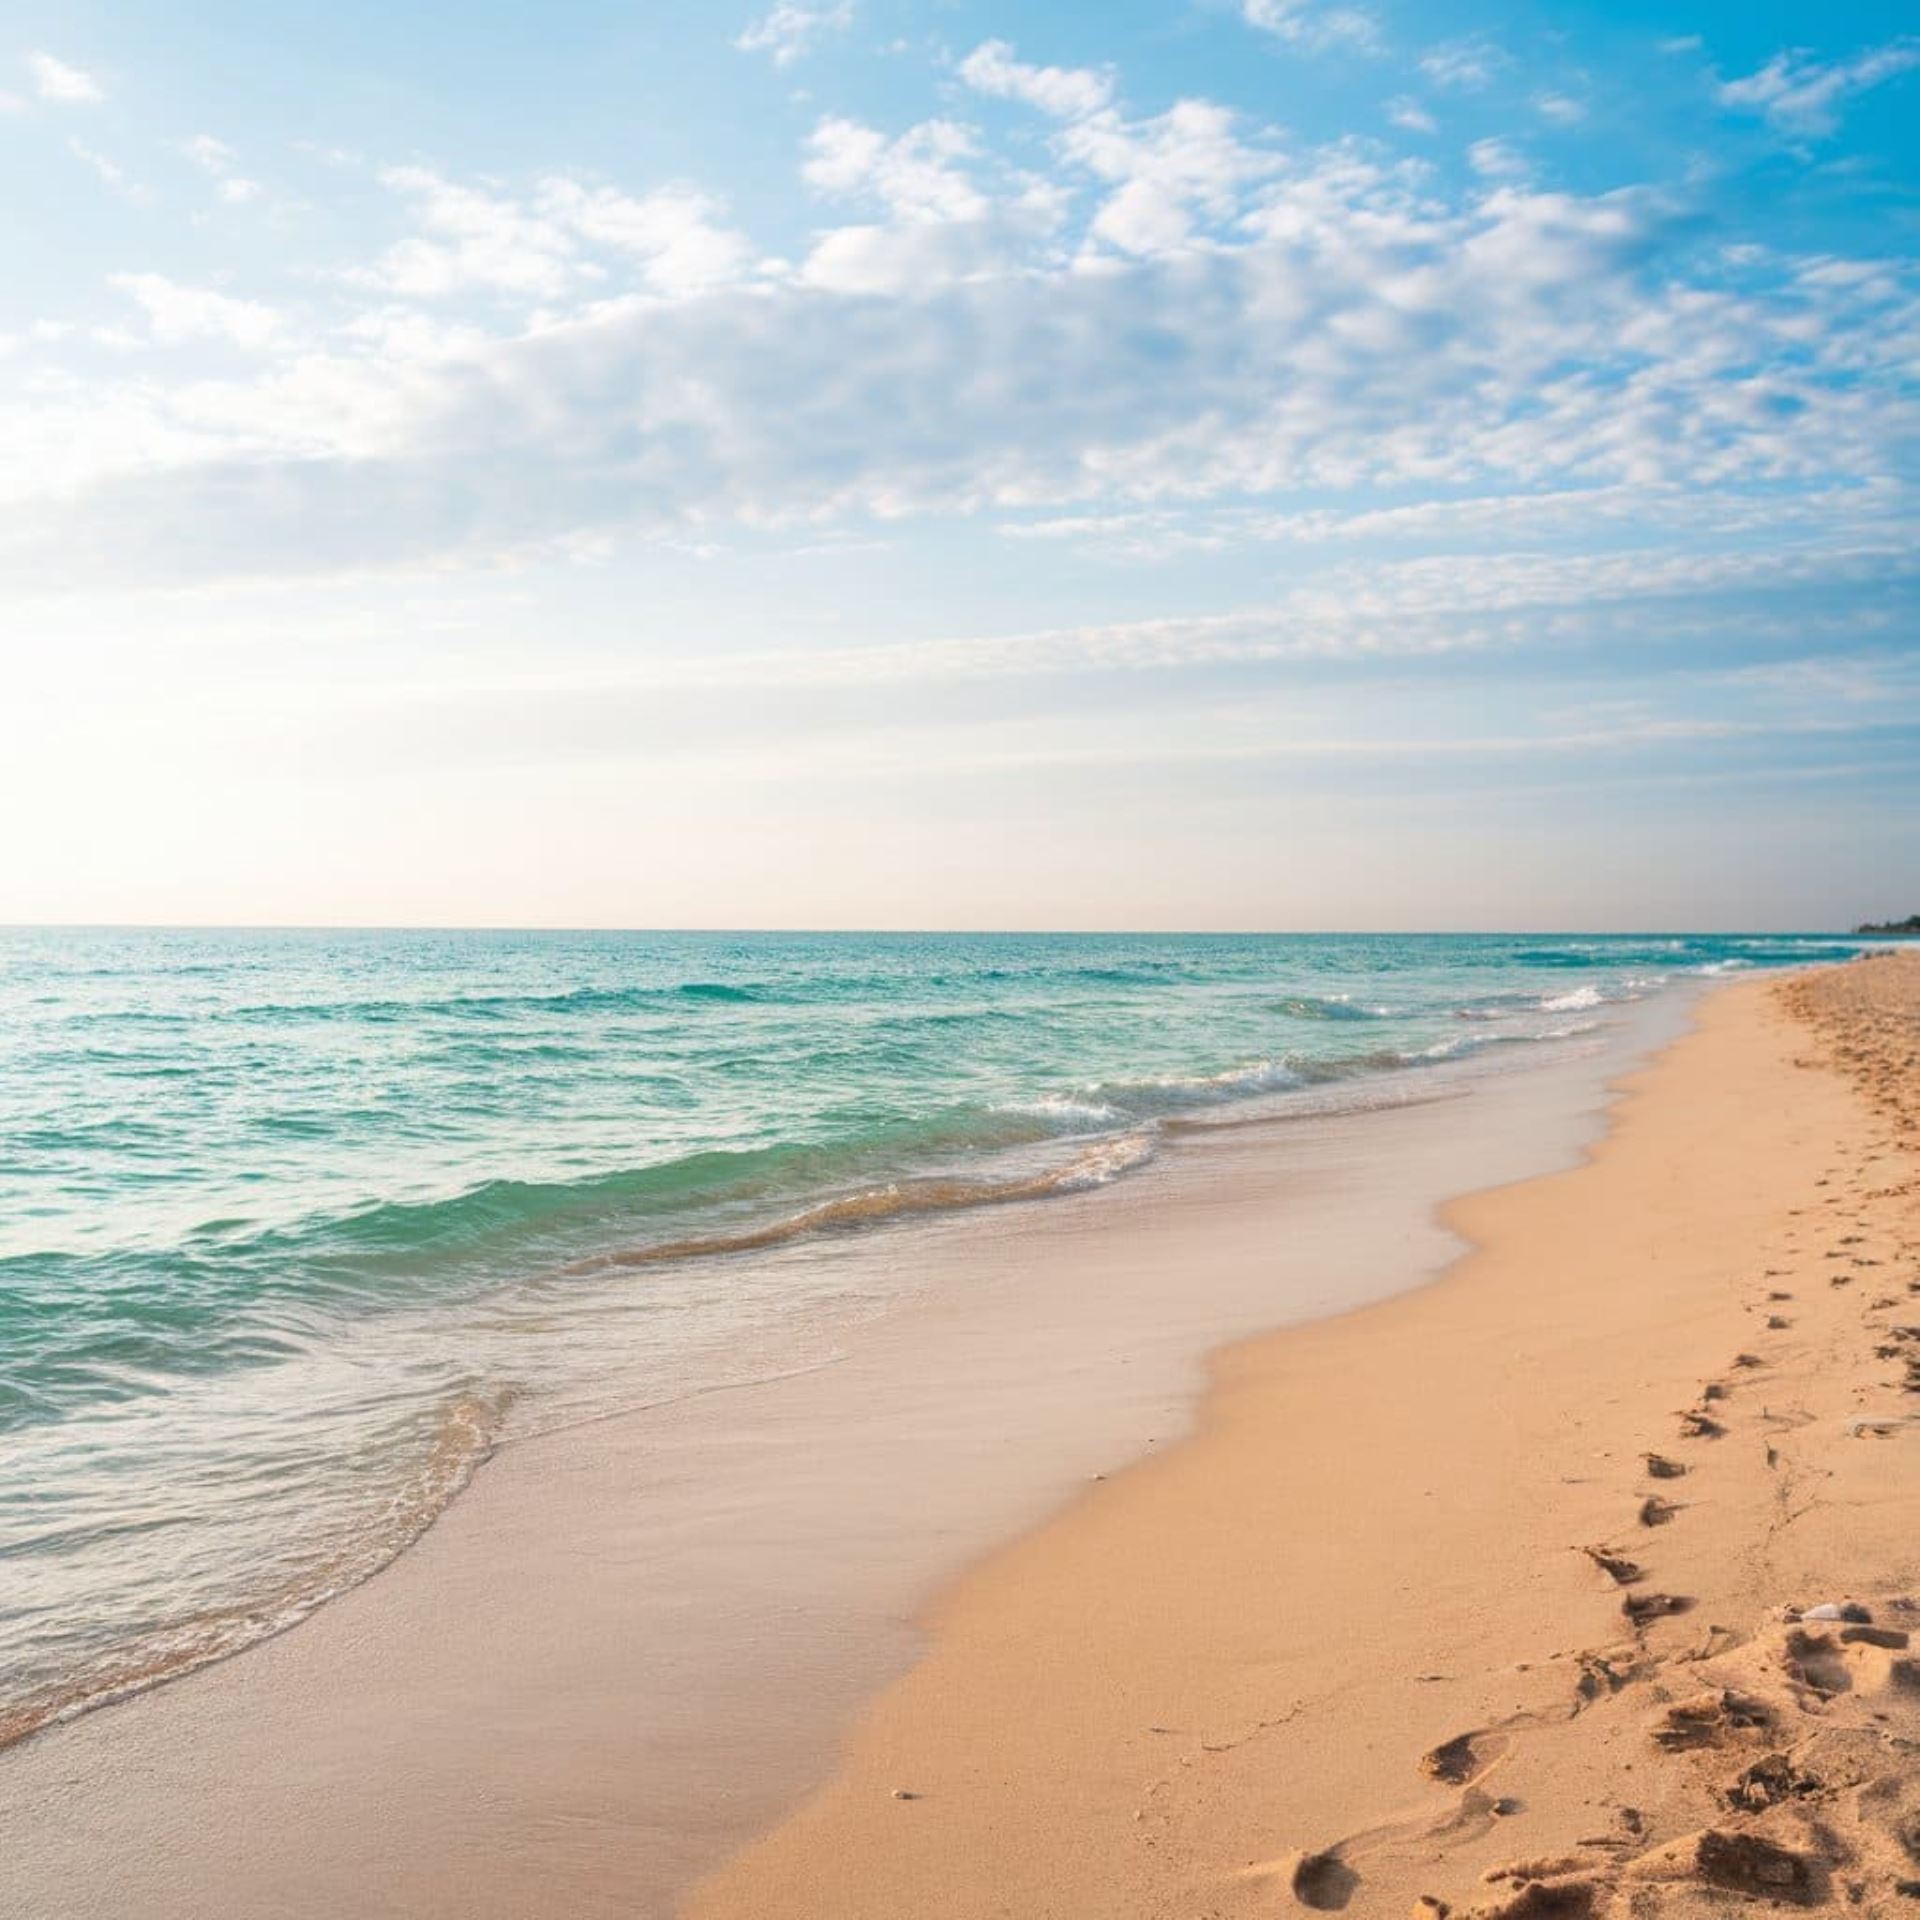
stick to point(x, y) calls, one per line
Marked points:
point(1336, 1007)
point(897, 1200)
point(1174, 1090)
point(498, 1006)
point(508, 1214)
point(461, 1435)
point(1065, 1112)
point(1460, 1046)
point(1578, 1001)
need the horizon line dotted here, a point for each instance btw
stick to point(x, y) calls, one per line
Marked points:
point(953, 932)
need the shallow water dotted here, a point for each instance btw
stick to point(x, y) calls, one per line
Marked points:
point(292, 1226)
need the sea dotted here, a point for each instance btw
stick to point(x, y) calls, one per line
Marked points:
point(297, 1226)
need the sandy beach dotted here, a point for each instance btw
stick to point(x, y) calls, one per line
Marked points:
point(959, 962)
point(1580, 1582)
point(1412, 1606)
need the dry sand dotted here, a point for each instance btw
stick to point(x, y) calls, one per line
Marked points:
point(1483, 1600)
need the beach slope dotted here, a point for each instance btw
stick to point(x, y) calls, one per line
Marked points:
point(1575, 1583)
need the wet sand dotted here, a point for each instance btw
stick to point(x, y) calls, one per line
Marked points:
point(631, 1645)
point(1578, 1583)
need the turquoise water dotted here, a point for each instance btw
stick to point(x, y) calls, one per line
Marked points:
point(293, 1226)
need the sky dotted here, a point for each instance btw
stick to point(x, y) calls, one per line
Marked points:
point(1191, 464)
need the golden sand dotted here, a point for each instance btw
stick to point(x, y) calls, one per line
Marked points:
point(1578, 1583)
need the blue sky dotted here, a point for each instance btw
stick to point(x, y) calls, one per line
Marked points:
point(1222, 463)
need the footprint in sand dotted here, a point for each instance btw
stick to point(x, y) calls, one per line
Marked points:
point(1464, 1758)
point(1715, 1718)
point(1616, 1566)
point(1744, 1863)
point(1642, 1609)
point(1767, 1783)
point(1874, 1429)
point(1561, 1888)
point(1322, 1882)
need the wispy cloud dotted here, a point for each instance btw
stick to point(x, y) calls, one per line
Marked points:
point(1069, 93)
point(1168, 175)
point(108, 171)
point(218, 159)
point(554, 241)
point(1496, 159)
point(1128, 329)
point(62, 84)
point(1465, 66)
point(790, 29)
point(1802, 94)
point(920, 175)
point(1251, 325)
point(1314, 25)
point(178, 313)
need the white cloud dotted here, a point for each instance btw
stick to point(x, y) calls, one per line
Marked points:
point(919, 176)
point(1801, 94)
point(1495, 159)
point(1411, 115)
point(217, 158)
point(108, 171)
point(675, 232)
point(1307, 23)
point(568, 236)
point(1068, 93)
point(64, 85)
point(790, 29)
point(1464, 66)
point(472, 239)
point(177, 314)
point(1350, 612)
point(1562, 109)
point(1168, 173)
point(944, 219)
point(207, 152)
point(900, 259)
point(1224, 321)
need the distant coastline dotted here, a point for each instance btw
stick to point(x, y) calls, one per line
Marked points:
point(1909, 927)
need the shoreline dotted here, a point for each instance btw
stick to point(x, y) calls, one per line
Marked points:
point(1530, 1684)
point(1035, 1353)
point(254, 1457)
